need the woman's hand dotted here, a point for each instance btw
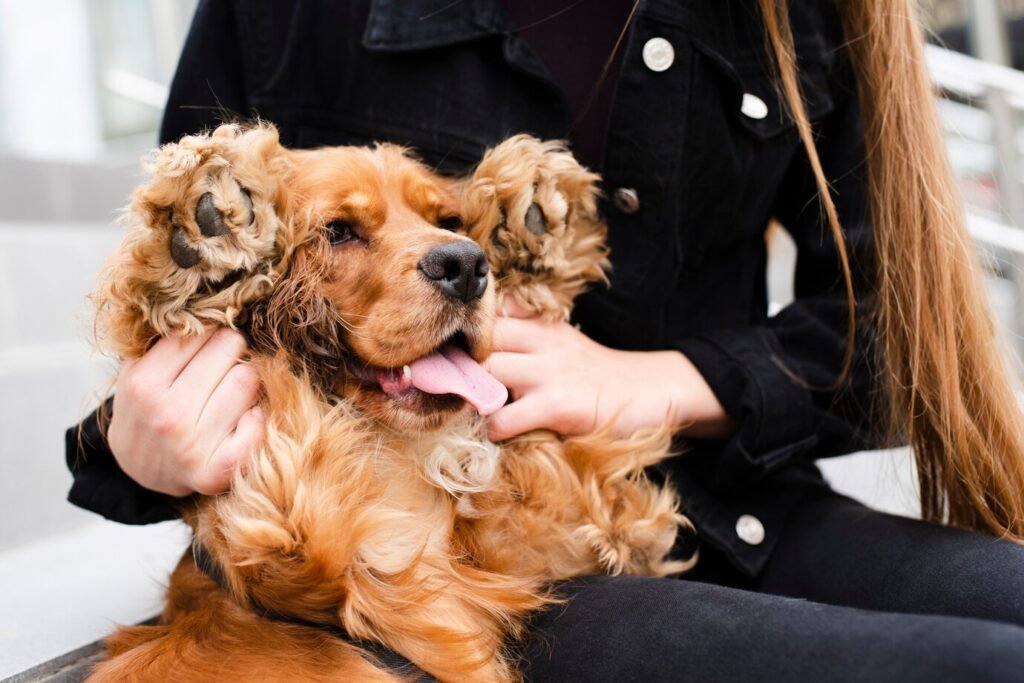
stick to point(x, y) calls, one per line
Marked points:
point(563, 381)
point(185, 416)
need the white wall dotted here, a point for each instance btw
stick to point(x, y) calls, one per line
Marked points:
point(47, 81)
point(49, 377)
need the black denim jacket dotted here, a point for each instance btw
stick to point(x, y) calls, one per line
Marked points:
point(705, 164)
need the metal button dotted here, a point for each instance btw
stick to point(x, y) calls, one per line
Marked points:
point(658, 54)
point(750, 530)
point(753, 106)
point(626, 200)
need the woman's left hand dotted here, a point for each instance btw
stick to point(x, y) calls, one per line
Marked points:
point(563, 381)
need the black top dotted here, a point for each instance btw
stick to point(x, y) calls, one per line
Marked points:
point(578, 42)
point(709, 165)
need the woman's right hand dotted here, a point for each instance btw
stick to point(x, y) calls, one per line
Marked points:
point(185, 414)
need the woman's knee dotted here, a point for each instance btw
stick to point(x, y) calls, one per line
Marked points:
point(661, 630)
point(614, 628)
point(967, 650)
point(839, 552)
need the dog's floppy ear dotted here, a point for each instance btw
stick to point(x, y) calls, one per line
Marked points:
point(300, 318)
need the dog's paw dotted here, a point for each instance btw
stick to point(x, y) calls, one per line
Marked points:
point(533, 208)
point(210, 202)
point(638, 546)
point(227, 212)
point(205, 237)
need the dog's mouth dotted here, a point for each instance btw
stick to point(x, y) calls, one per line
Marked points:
point(446, 377)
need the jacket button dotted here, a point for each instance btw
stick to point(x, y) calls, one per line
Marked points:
point(750, 530)
point(658, 54)
point(754, 107)
point(626, 200)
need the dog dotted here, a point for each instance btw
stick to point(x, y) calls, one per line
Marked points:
point(376, 510)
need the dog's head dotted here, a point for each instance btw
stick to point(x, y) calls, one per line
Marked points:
point(383, 302)
point(354, 261)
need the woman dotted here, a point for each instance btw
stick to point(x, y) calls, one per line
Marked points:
point(706, 119)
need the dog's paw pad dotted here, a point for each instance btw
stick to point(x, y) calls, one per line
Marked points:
point(209, 218)
point(534, 220)
point(212, 221)
point(183, 253)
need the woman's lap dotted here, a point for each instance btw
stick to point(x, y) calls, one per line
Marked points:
point(837, 551)
point(646, 629)
point(849, 594)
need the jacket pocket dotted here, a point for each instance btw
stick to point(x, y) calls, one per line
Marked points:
point(754, 97)
point(740, 141)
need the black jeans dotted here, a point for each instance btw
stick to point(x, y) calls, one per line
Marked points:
point(849, 594)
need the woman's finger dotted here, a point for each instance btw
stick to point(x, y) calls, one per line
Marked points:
point(515, 370)
point(165, 360)
point(516, 418)
point(234, 452)
point(517, 335)
point(207, 369)
point(230, 400)
point(512, 308)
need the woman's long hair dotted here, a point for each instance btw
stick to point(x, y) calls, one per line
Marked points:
point(946, 390)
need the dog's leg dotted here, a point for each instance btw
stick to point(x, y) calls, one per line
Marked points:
point(455, 622)
point(575, 507)
point(532, 207)
point(630, 523)
point(208, 637)
point(525, 525)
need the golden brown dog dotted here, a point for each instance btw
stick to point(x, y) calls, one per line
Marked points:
point(368, 286)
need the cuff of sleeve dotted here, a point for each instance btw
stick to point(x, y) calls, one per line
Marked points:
point(113, 496)
point(101, 486)
point(745, 370)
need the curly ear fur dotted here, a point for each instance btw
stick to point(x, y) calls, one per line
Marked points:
point(299, 317)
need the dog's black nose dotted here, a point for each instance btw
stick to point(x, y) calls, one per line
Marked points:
point(459, 269)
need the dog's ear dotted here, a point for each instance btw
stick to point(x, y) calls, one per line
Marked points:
point(300, 318)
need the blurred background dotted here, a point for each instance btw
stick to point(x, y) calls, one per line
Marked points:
point(82, 86)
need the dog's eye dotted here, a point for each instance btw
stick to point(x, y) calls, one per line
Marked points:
point(450, 223)
point(340, 232)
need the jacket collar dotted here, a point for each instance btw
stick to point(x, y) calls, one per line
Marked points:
point(410, 25)
point(406, 25)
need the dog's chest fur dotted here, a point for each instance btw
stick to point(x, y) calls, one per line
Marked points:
point(427, 482)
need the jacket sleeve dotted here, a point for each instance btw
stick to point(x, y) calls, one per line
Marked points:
point(778, 378)
point(101, 486)
point(208, 87)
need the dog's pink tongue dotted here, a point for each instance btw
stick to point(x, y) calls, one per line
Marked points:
point(452, 371)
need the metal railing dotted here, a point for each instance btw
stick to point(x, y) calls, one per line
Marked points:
point(980, 109)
